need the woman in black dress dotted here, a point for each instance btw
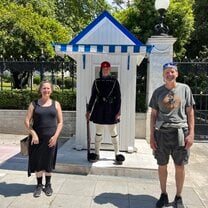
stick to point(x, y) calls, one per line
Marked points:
point(44, 122)
point(104, 109)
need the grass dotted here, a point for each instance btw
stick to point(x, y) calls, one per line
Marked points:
point(6, 86)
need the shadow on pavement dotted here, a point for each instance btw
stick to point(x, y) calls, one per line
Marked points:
point(16, 162)
point(123, 200)
point(15, 189)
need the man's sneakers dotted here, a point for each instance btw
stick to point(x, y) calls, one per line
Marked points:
point(38, 190)
point(178, 202)
point(163, 201)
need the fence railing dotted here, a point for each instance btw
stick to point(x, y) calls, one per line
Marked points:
point(195, 74)
point(21, 74)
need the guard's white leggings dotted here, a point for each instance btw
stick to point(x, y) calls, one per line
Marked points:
point(99, 136)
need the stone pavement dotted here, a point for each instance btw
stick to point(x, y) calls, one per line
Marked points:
point(79, 184)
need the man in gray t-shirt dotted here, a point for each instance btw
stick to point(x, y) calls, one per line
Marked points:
point(171, 130)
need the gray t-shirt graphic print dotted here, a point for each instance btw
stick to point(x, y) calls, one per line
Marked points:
point(171, 104)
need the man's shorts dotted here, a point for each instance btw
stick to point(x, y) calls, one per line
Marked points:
point(167, 144)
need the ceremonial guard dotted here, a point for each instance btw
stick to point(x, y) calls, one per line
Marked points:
point(104, 109)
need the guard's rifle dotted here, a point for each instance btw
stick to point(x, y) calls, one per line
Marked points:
point(91, 157)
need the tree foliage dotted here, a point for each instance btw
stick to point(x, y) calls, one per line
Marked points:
point(199, 38)
point(141, 17)
point(45, 8)
point(180, 19)
point(28, 26)
point(118, 4)
point(78, 14)
point(25, 32)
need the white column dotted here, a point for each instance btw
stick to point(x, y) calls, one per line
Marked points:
point(161, 53)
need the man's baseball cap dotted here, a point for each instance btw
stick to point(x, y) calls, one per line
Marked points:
point(105, 64)
point(170, 65)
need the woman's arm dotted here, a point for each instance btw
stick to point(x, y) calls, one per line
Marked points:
point(54, 138)
point(28, 124)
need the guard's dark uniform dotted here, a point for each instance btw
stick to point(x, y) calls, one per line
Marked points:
point(105, 100)
point(104, 109)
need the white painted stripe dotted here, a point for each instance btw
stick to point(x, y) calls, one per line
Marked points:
point(94, 49)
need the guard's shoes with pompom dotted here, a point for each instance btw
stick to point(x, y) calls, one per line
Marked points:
point(92, 157)
point(119, 159)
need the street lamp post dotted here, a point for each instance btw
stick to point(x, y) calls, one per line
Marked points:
point(1, 69)
point(161, 6)
point(42, 58)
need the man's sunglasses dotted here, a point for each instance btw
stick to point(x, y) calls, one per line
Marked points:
point(170, 64)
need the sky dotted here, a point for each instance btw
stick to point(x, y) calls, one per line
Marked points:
point(109, 1)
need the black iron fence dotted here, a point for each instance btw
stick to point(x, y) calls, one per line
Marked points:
point(21, 74)
point(195, 74)
point(27, 73)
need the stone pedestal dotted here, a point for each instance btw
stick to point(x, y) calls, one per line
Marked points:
point(161, 53)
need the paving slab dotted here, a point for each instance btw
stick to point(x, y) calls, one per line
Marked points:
point(87, 191)
point(101, 184)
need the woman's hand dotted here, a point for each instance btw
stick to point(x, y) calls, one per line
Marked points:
point(35, 140)
point(52, 142)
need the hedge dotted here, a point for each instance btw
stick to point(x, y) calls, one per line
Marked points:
point(20, 99)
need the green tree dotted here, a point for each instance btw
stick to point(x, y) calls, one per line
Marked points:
point(24, 32)
point(45, 8)
point(78, 14)
point(180, 19)
point(199, 38)
point(141, 17)
point(119, 4)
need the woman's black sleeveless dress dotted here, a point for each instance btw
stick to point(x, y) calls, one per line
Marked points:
point(42, 157)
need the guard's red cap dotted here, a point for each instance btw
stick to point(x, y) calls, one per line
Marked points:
point(105, 64)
